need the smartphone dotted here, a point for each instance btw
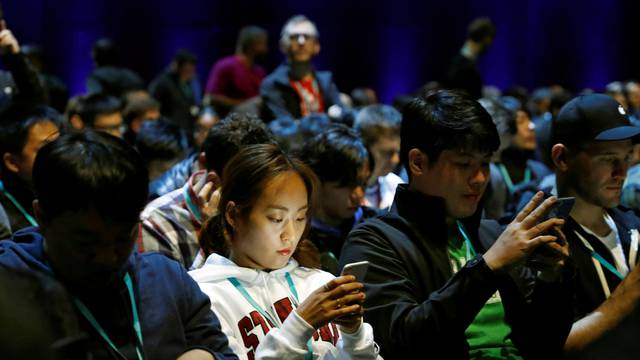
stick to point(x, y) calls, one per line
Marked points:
point(560, 209)
point(357, 269)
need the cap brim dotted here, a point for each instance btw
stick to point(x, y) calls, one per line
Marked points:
point(619, 133)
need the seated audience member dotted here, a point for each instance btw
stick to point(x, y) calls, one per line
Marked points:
point(205, 121)
point(90, 188)
point(177, 176)
point(296, 89)
point(260, 278)
point(514, 169)
point(56, 92)
point(341, 161)
point(109, 78)
point(593, 142)
point(178, 90)
point(99, 112)
point(630, 196)
point(237, 78)
point(363, 96)
point(161, 145)
point(379, 127)
point(441, 282)
point(138, 109)
point(631, 91)
point(23, 131)
point(171, 223)
point(312, 125)
point(287, 133)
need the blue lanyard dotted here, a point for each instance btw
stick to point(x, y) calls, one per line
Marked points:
point(606, 264)
point(470, 250)
point(507, 178)
point(263, 312)
point(15, 202)
point(136, 321)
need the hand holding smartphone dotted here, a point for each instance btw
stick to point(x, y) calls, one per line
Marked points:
point(357, 269)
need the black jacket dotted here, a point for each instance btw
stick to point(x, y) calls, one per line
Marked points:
point(280, 100)
point(419, 309)
point(589, 291)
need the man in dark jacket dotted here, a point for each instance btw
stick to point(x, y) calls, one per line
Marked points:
point(593, 143)
point(442, 284)
point(178, 90)
point(90, 188)
point(295, 89)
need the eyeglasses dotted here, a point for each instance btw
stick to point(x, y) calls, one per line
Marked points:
point(301, 38)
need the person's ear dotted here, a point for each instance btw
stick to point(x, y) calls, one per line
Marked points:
point(559, 157)
point(37, 212)
point(202, 160)
point(76, 122)
point(316, 48)
point(418, 162)
point(10, 162)
point(231, 214)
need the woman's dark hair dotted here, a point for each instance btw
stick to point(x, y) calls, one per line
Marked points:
point(243, 181)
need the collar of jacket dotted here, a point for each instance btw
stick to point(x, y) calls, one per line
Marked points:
point(429, 213)
point(282, 77)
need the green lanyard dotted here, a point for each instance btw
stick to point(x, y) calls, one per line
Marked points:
point(136, 321)
point(15, 202)
point(263, 312)
point(507, 178)
point(471, 252)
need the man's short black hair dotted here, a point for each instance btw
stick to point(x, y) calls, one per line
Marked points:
point(184, 56)
point(16, 122)
point(160, 140)
point(90, 169)
point(247, 36)
point(480, 29)
point(228, 136)
point(375, 121)
point(98, 104)
point(446, 120)
point(137, 107)
point(104, 52)
point(336, 155)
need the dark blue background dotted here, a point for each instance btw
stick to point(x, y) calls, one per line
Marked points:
point(394, 46)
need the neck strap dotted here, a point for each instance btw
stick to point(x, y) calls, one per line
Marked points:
point(263, 312)
point(136, 321)
point(507, 178)
point(15, 203)
point(471, 252)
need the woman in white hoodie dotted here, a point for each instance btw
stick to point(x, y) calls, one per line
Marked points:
point(270, 301)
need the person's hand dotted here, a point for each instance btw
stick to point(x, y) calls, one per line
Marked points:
point(340, 301)
point(523, 235)
point(8, 42)
point(549, 259)
point(208, 190)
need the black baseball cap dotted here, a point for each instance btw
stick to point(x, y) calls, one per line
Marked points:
point(591, 117)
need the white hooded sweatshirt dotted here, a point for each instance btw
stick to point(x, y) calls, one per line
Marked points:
point(250, 334)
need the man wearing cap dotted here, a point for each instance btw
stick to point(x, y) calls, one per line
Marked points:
point(593, 142)
point(295, 89)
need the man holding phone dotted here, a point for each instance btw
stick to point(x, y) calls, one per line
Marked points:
point(592, 145)
point(442, 283)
